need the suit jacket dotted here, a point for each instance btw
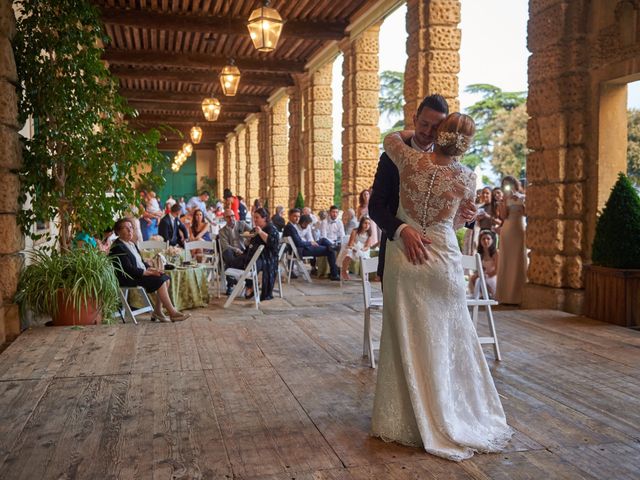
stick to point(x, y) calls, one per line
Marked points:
point(230, 237)
point(169, 233)
point(129, 270)
point(290, 230)
point(383, 204)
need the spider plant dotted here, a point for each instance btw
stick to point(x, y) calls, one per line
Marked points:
point(85, 274)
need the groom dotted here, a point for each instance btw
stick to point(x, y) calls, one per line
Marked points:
point(383, 205)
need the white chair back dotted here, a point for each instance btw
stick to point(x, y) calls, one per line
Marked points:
point(295, 258)
point(198, 245)
point(474, 263)
point(242, 275)
point(153, 245)
point(371, 302)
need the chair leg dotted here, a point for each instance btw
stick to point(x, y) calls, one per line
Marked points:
point(256, 289)
point(234, 293)
point(492, 329)
point(365, 334)
point(290, 270)
point(280, 282)
point(127, 308)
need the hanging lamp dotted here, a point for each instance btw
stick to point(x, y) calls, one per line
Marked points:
point(196, 134)
point(187, 149)
point(211, 108)
point(229, 79)
point(265, 27)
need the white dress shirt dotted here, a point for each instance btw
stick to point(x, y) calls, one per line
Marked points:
point(305, 234)
point(332, 230)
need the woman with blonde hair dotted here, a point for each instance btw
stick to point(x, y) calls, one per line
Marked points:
point(434, 387)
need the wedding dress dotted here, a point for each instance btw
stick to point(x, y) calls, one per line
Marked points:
point(434, 387)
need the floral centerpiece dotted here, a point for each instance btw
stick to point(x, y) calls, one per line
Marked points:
point(174, 254)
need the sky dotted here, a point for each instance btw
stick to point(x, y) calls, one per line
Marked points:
point(494, 50)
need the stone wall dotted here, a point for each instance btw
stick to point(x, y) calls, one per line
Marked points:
point(433, 46)
point(220, 159)
point(253, 161)
point(583, 54)
point(318, 148)
point(230, 172)
point(263, 154)
point(296, 147)
point(360, 114)
point(240, 187)
point(278, 154)
point(11, 239)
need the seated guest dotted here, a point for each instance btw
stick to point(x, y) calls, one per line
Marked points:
point(277, 219)
point(358, 246)
point(350, 221)
point(133, 272)
point(310, 248)
point(232, 243)
point(172, 229)
point(332, 229)
point(264, 234)
point(199, 231)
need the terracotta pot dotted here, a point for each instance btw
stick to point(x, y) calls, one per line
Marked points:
point(68, 315)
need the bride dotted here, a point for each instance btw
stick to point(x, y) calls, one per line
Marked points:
point(434, 387)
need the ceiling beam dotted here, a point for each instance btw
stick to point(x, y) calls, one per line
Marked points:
point(311, 30)
point(153, 120)
point(188, 97)
point(192, 108)
point(199, 77)
point(198, 61)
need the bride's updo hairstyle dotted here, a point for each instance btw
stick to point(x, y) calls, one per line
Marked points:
point(455, 134)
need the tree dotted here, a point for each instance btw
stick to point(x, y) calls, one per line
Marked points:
point(337, 182)
point(501, 129)
point(83, 160)
point(633, 145)
point(391, 100)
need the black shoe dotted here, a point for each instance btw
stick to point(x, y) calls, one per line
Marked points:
point(334, 278)
point(229, 291)
point(268, 297)
point(314, 271)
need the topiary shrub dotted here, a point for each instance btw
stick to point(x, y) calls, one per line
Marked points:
point(617, 239)
point(299, 201)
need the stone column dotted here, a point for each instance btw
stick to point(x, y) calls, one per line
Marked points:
point(230, 172)
point(220, 160)
point(11, 239)
point(319, 175)
point(556, 173)
point(253, 160)
point(360, 115)
point(241, 162)
point(433, 46)
point(295, 142)
point(278, 158)
point(263, 153)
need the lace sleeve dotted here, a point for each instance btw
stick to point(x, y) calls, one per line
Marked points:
point(469, 182)
point(399, 151)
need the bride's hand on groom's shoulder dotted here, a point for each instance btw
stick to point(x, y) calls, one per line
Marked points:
point(415, 245)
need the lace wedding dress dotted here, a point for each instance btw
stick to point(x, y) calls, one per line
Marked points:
point(434, 387)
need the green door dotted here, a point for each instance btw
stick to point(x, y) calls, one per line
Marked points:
point(182, 183)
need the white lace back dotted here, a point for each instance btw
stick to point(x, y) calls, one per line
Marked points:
point(429, 193)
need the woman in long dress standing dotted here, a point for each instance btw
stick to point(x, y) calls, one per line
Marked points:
point(434, 387)
point(512, 267)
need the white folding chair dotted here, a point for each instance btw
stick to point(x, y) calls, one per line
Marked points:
point(343, 246)
point(371, 302)
point(242, 275)
point(210, 259)
point(474, 263)
point(153, 245)
point(282, 266)
point(125, 309)
point(296, 259)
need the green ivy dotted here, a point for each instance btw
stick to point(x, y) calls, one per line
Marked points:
point(81, 165)
point(616, 243)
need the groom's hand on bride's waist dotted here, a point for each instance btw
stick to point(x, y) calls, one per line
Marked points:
point(415, 245)
point(468, 211)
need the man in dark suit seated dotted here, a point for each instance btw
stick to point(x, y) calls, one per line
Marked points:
point(310, 248)
point(172, 229)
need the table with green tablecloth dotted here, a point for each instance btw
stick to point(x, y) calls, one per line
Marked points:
point(188, 288)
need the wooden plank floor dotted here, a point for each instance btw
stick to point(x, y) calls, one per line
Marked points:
point(283, 393)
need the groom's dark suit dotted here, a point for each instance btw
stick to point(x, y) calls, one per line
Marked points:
point(383, 204)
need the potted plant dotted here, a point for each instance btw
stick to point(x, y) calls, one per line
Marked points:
point(612, 282)
point(78, 287)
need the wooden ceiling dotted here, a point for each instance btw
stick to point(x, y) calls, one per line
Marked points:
point(167, 55)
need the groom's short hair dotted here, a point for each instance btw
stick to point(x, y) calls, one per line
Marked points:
point(434, 102)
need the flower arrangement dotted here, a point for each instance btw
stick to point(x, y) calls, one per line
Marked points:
point(174, 254)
